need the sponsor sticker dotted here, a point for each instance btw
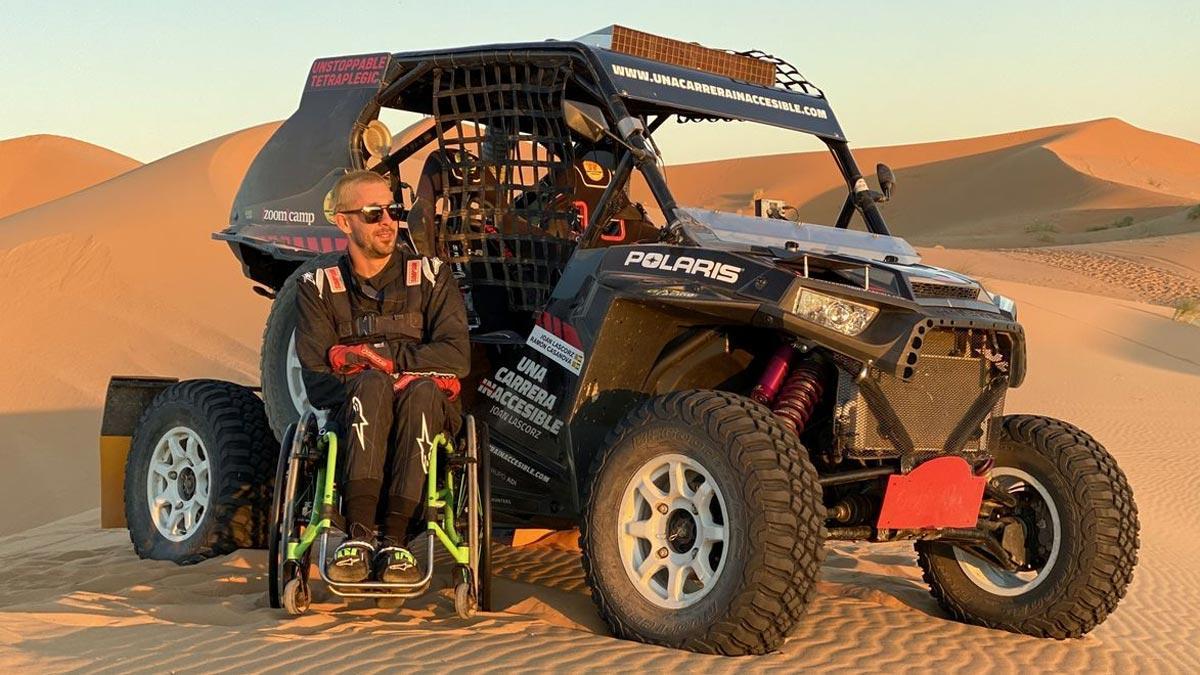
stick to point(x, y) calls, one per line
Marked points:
point(564, 354)
point(412, 275)
point(334, 275)
point(285, 216)
point(686, 264)
point(520, 400)
point(350, 71)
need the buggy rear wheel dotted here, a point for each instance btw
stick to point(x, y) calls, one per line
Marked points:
point(284, 393)
point(197, 479)
point(1079, 529)
point(703, 526)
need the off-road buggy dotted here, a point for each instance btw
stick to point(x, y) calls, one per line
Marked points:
point(709, 398)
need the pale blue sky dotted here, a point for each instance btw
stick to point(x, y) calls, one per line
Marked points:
point(150, 78)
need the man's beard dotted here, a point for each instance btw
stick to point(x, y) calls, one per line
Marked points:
point(370, 247)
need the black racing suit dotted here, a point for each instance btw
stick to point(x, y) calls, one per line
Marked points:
point(411, 312)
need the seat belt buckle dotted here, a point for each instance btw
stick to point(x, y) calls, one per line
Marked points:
point(364, 325)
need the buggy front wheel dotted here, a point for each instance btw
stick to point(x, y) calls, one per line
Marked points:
point(1080, 534)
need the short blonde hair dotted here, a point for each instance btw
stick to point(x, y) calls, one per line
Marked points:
point(344, 185)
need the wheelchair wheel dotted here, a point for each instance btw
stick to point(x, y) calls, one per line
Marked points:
point(296, 596)
point(288, 579)
point(478, 582)
point(464, 603)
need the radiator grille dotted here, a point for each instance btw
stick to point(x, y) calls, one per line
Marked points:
point(925, 289)
point(928, 408)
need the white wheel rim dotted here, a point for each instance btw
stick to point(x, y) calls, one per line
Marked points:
point(672, 531)
point(999, 581)
point(295, 384)
point(178, 483)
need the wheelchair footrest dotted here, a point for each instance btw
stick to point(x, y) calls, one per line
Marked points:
point(374, 589)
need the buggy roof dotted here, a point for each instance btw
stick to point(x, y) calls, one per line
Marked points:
point(651, 86)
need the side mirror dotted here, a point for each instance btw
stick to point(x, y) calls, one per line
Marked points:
point(585, 119)
point(887, 179)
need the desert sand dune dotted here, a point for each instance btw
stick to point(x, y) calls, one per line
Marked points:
point(76, 597)
point(123, 278)
point(1026, 188)
point(38, 169)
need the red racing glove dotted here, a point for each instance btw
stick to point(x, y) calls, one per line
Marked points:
point(449, 384)
point(353, 359)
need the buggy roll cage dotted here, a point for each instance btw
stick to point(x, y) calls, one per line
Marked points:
point(275, 220)
point(638, 95)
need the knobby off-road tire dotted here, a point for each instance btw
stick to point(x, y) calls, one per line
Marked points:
point(204, 444)
point(753, 482)
point(1096, 551)
point(283, 390)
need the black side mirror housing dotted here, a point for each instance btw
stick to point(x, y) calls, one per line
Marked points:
point(887, 179)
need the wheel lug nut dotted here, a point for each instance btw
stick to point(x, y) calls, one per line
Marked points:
point(662, 508)
point(172, 475)
point(662, 552)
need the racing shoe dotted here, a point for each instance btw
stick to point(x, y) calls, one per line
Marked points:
point(396, 565)
point(352, 561)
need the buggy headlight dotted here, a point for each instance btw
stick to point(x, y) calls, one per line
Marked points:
point(844, 316)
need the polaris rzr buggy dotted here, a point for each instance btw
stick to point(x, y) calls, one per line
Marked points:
point(709, 398)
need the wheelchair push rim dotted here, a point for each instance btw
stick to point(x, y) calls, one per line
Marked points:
point(281, 570)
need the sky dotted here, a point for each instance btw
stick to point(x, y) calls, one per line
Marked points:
point(149, 78)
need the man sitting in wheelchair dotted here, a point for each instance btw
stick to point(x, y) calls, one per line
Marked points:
point(382, 340)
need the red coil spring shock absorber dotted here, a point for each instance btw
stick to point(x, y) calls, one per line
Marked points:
point(799, 396)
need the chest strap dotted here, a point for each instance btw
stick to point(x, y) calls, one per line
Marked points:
point(409, 325)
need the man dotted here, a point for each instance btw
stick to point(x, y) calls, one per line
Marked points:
point(382, 339)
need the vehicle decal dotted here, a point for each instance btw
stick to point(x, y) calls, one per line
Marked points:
point(321, 244)
point(557, 326)
point(508, 457)
point(593, 173)
point(520, 399)
point(558, 350)
point(285, 216)
point(686, 264)
point(352, 71)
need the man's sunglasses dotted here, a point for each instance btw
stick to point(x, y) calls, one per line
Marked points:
point(374, 214)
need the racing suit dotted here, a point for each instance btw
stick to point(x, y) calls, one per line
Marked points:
point(412, 314)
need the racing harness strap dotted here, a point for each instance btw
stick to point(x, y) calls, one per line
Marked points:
point(370, 327)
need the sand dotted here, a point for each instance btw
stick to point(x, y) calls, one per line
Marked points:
point(38, 169)
point(121, 278)
point(76, 597)
point(1027, 188)
point(118, 292)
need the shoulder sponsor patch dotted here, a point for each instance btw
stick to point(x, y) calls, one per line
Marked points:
point(430, 267)
point(334, 275)
point(559, 351)
point(412, 274)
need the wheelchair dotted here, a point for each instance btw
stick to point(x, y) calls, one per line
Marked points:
point(306, 508)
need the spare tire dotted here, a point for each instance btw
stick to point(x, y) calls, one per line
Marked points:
point(199, 472)
point(283, 389)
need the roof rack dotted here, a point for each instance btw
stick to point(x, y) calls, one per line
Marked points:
point(786, 77)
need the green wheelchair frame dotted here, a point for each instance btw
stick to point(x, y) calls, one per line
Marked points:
point(305, 509)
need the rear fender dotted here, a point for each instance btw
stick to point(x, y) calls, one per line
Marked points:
point(127, 397)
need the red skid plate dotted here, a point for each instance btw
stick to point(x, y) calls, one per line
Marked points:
point(942, 492)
